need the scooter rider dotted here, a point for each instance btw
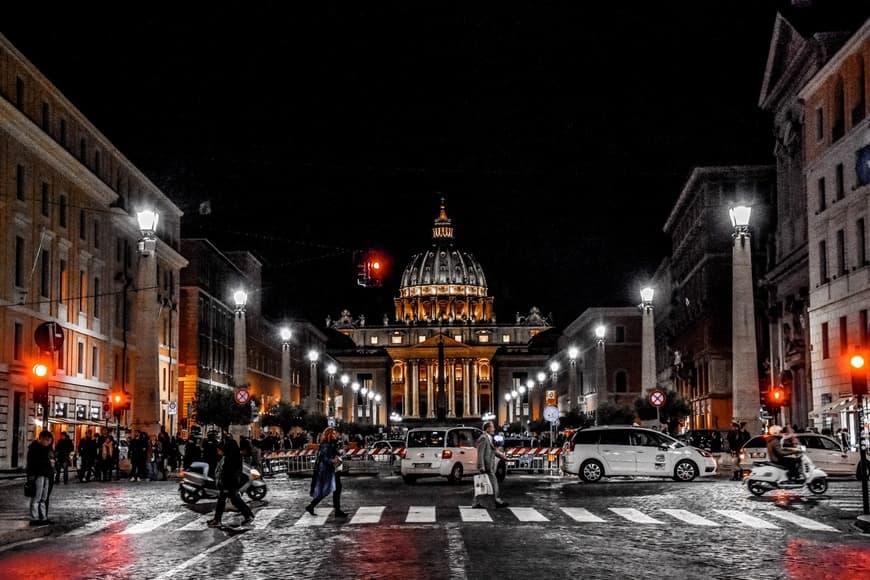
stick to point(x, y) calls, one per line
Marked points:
point(776, 453)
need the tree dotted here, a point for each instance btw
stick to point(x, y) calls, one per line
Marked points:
point(614, 414)
point(675, 409)
point(287, 416)
point(215, 406)
point(573, 419)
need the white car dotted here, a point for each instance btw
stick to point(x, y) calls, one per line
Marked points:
point(599, 452)
point(825, 452)
point(442, 452)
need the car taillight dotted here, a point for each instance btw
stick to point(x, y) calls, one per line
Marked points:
point(447, 454)
point(401, 453)
point(571, 446)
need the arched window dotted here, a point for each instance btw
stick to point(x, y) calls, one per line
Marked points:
point(838, 126)
point(620, 381)
point(860, 107)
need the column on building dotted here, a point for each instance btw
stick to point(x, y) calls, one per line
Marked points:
point(415, 388)
point(430, 390)
point(450, 381)
point(466, 391)
point(475, 390)
point(406, 397)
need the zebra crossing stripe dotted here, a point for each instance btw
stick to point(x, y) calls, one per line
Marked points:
point(581, 515)
point(802, 521)
point(526, 514)
point(265, 516)
point(634, 515)
point(96, 526)
point(747, 519)
point(690, 518)
point(368, 515)
point(197, 525)
point(151, 524)
point(421, 515)
point(470, 514)
point(307, 520)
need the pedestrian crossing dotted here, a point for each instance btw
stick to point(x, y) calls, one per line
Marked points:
point(181, 522)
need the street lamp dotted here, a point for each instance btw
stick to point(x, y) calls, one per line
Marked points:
point(344, 379)
point(507, 400)
point(600, 331)
point(377, 408)
point(600, 370)
point(744, 357)
point(240, 344)
point(371, 396)
point(148, 220)
point(355, 388)
point(313, 393)
point(330, 370)
point(145, 412)
point(286, 377)
point(240, 298)
point(573, 399)
point(648, 342)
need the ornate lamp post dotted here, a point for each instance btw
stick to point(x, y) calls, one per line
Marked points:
point(573, 399)
point(600, 367)
point(371, 408)
point(330, 370)
point(355, 388)
point(378, 399)
point(744, 352)
point(648, 342)
point(313, 393)
point(240, 347)
point(286, 394)
point(507, 405)
point(344, 379)
point(146, 400)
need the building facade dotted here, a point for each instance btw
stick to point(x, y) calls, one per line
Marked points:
point(443, 312)
point(837, 182)
point(70, 239)
point(693, 306)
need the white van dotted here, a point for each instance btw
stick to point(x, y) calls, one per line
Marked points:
point(449, 452)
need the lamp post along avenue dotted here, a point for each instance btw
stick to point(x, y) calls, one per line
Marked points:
point(146, 399)
point(573, 398)
point(744, 352)
point(286, 375)
point(240, 340)
point(311, 401)
point(648, 342)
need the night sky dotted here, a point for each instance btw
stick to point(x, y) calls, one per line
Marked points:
point(559, 138)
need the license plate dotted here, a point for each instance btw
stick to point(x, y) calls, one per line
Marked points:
point(511, 463)
point(758, 454)
point(422, 465)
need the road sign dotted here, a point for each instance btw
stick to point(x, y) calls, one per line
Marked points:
point(330, 422)
point(551, 397)
point(242, 396)
point(49, 336)
point(172, 408)
point(657, 398)
point(551, 413)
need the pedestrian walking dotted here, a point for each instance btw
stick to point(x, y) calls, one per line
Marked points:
point(228, 477)
point(486, 454)
point(327, 474)
point(40, 471)
point(63, 450)
point(107, 458)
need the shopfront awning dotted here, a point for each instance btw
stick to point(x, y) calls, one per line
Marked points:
point(845, 404)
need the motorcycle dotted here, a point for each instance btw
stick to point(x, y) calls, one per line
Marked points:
point(766, 476)
point(195, 485)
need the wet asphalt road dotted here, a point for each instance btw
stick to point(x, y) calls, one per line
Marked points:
point(554, 528)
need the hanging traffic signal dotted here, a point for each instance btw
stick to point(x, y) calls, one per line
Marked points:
point(372, 268)
point(858, 364)
point(117, 400)
point(39, 377)
point(777, 397)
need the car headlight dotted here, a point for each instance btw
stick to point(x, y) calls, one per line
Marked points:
point(705, 453)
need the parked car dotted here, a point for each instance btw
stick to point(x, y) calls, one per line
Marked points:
point(442, 452)
point(825, 452)
point(599, 452)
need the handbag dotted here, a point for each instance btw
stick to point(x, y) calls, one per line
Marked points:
point(482, 485)
point(30, 488)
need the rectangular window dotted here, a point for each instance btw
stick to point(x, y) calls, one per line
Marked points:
point(457, 337)
point(19, 261)
point(19, 182)
point(95, 362)
point(62, 212)
point(82, 287)
point(373, 339)
point(17, 341)
point(83, 224)
point(841, 253)
point(46, 200)
point(861, 243)
point(80, 360)
point(63, 133)
point(838, 181)
point(826, 351)
point(506, 338)
point(421, 338)
point(46, 118)
point(821, 193)
point(45, 274)
point(19, 92)
point(61, 281)
point(484, 338)
point(96, 234)
point(620, 334)
point(863, 331)
point(823, 262)
point(820, 124)
point(83, 150)
point(396, 339)
point(844, 335)
point(96, 313)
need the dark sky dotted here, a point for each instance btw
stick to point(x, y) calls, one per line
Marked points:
point(560, 138)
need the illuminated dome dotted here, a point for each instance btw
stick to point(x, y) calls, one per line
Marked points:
point(443, 282)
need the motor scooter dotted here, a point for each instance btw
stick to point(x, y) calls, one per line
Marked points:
point(195, 485)
point(766, 476)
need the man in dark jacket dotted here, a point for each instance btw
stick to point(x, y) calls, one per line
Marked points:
point(63, 450)
point(228, 476)
point(40, 470)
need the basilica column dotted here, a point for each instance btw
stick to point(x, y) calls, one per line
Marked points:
point(430, 391)
point(466, 391)
point(406, 401)
point(415, 389)
point(450, 376)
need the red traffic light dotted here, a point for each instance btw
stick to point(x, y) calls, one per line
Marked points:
point(116, 400)
point(372, 267)
point(857, 361)
point(40, 370)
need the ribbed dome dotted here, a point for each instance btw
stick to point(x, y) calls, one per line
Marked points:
point(444, 263)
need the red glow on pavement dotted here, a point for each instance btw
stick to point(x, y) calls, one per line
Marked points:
point(805, 559)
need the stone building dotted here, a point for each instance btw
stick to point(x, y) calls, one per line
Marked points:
point(443, 306)
point(837, 175)
point(70, 255)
